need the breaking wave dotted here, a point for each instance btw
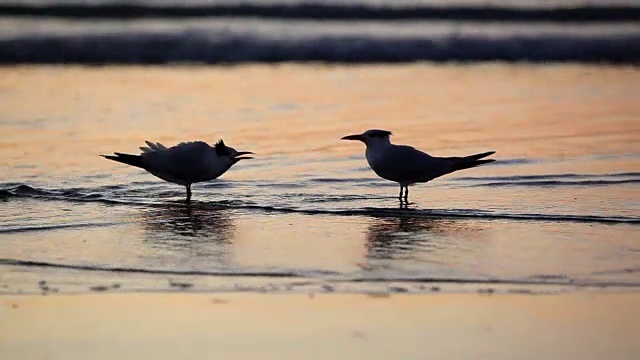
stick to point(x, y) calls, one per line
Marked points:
point(150, 32)
point(186, 46)
point(323, 10)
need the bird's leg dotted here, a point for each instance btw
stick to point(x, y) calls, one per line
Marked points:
point(403, 196)
point(188, 193)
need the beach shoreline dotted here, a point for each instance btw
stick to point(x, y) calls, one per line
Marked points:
point(303, 252)
point(578, 325)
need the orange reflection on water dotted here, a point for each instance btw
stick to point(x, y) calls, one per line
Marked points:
point(524, 111)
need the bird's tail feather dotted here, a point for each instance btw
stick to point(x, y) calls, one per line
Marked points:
point(466, 165)
point(470, 161)
point(133, 160)
point(479, 156)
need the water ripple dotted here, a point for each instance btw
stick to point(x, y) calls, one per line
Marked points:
point(101, 196)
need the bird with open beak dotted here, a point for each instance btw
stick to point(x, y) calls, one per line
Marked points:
point(185, 163)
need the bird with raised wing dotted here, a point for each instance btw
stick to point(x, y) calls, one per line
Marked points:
point(185, 163)
point(407, 165)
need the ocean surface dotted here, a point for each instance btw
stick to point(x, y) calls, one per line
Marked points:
point(558, 211)
point(355, 31)
point(551, 86)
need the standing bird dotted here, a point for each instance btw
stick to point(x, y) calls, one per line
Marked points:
point(185, 163)
point(407, 165)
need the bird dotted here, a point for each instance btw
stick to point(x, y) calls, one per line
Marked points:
point(407, 165)
point(185, 163)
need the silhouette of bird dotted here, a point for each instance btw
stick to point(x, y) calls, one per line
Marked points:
point(185, 163)
point(407, 165)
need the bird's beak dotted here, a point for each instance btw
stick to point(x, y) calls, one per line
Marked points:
point(238, 155)
point(353, 137)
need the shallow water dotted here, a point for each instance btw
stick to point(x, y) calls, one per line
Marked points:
point(558, 209)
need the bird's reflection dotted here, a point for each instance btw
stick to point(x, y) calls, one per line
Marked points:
point(198, 230)
point(405, 237)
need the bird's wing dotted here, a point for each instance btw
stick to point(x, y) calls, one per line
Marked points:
point(187, 144)
point(185, 160)
point(407, 163)
point(151, 146)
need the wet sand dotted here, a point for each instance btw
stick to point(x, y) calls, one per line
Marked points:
point(327, 326)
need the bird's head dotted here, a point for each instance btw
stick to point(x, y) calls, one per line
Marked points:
point(371, 137)
point(230, 153)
